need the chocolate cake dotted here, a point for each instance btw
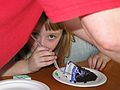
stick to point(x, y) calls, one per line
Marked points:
point(78, 74)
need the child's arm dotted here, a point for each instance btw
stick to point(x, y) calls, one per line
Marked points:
point(20, 67)
point(40, 58)
point(98, 61)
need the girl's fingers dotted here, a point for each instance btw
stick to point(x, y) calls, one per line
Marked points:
point(38, 66)
point(38, 63)
point(42, 49)
point(48, 58)
point(44, 53)
point(43, 64)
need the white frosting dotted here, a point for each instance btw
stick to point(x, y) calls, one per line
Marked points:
point(70, 71)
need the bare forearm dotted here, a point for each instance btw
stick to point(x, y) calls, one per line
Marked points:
point(20, 67)
point(104, 29)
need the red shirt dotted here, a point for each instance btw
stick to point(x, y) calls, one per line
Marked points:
point(17, 20)
point(19, 17)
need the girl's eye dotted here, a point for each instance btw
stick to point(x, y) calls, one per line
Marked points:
point(35, 34)
point(51, 36)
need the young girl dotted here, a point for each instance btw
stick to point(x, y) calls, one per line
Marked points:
point(48, 42)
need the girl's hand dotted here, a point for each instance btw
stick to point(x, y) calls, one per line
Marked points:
point(41, 57)
point(98, 61)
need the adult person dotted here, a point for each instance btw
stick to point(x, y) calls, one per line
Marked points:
point(18, 18)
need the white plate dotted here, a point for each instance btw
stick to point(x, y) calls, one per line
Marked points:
point(17, 84)
point(101, 79)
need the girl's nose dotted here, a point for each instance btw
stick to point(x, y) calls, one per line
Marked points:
point(42, 42)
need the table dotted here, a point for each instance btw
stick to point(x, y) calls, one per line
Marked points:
point(112, 71)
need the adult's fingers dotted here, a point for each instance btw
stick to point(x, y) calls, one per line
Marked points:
point(94, 61)
point(99, 63)
point(103, 65)
point(90, 62)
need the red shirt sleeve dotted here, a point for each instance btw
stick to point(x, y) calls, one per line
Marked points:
point(17, 20)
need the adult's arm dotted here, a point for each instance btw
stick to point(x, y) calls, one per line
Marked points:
point(102, 29)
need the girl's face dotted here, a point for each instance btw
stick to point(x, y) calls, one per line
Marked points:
point(47, 38)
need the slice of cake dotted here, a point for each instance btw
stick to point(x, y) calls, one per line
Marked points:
point(78, 74)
